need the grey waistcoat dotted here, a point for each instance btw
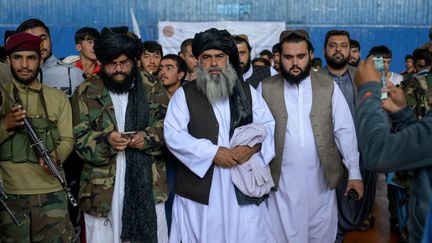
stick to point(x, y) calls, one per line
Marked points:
point(321, 121)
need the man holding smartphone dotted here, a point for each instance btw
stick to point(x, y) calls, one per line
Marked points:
point(118, 120)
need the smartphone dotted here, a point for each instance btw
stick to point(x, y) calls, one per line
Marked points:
point(128, 135)
point(379, 63)
point(379, 66)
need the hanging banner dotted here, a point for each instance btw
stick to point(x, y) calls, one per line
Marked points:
point(261, 35)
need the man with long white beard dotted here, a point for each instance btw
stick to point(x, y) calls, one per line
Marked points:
point(312, 131)
point(200, 121)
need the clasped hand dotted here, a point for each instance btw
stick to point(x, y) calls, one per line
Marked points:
point(226, 157)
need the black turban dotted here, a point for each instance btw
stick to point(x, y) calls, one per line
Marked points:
point(218, 40)
point(112, 44)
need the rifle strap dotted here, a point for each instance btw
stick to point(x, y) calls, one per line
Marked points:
point(42, 99)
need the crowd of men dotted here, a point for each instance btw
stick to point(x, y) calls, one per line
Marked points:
point(210, 145)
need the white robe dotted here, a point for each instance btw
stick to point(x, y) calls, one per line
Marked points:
point(222, 220)
point(304, 209)
point(108, 230)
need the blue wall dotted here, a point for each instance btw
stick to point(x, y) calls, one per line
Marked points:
point(402, 25)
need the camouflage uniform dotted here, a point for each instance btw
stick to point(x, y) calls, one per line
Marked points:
point(94, 119)
point(30, 190)
point(418, 93)
point(49, 208)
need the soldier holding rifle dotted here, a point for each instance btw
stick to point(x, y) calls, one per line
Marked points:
point(31, 185)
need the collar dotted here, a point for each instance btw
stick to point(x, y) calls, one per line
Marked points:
point(337, 76)
point(97, 89)
point(23, 87)
point(79, 65)
point(423, 72)
point(248, 74)
point(305, 81)
point(50, 62)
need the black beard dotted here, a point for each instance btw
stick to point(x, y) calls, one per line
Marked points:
point(298, 78)
point(336, 64)
point(24, 81)
point(246, 67)
point(355, 64)
point(119, 87)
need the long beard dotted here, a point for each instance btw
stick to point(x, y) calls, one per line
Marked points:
point(25, 80)
point(295, 79)
point(246, 66)
point(216, 86)
point(119, 87)
point(335, 63)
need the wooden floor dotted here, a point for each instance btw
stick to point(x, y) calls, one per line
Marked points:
point(380, 233)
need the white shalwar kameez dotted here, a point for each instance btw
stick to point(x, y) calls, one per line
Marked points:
point(222, 220)
point(108, 230)
point(304, 210)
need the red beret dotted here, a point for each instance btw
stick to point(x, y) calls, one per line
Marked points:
point(22, 42)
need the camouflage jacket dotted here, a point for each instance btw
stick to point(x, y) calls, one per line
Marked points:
point(418, 93)
point(94, 119)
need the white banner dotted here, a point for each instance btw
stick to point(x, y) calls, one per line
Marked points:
point(262, 35)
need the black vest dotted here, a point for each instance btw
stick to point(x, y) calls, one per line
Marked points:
point(259, 73)
point(202, 124)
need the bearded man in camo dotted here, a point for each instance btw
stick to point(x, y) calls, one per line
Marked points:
point(123, 181)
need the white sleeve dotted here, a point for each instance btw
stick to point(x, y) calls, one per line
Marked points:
point(273, 71)
point(345, 134)
point(262, 115)
point(196, 154)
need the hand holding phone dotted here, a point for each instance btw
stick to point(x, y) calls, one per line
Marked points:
point(379, 66)
point(379, 63)
point(128, 135)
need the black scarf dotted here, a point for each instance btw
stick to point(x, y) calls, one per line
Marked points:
point(139, 222)
point(239, 108)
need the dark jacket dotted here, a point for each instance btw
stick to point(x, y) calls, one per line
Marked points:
point(408, 148)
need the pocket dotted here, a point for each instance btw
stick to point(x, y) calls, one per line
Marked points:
point(96, 191)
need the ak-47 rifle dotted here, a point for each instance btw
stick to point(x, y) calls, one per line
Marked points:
point(3, 198)
point(41, 150)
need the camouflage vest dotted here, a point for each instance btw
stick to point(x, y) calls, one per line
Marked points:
point(18, 147)
point(418, 91)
